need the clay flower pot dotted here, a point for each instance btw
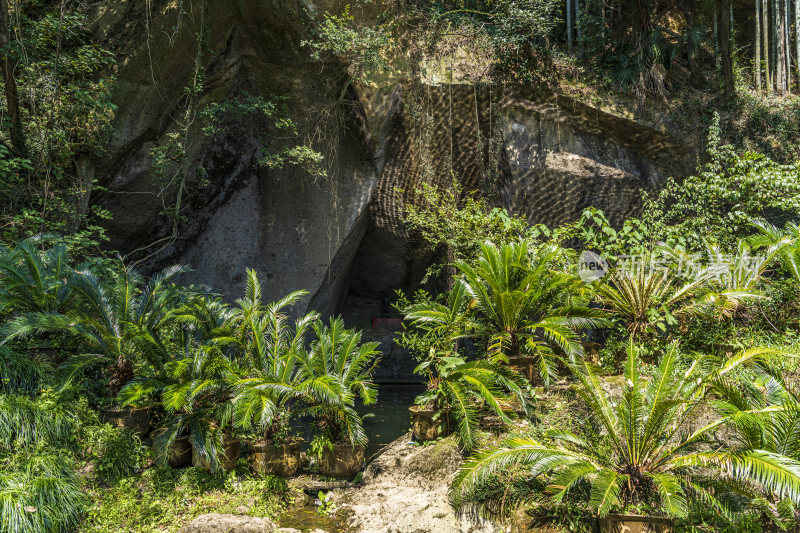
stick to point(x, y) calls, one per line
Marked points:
point(591, 351)
point(616, 523)
point(344, 461)
point(526, 366)
point(180, 451)
point(137, 420)
point(725, 349)
point(425, 425)
point(231, 449)
point(283, 460)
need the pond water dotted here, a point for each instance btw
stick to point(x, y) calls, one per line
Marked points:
point(307, 518)
point(388, 419)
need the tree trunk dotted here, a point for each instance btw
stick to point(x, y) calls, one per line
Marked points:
point(121, 375)
point(780, 62)
point(774, 44)
point(644, 17)
point(757, 47)
point(797, 37)
point(10, 84)
point(578, 31)
point(765, 44)
point(569, 25)
point(689, 8)
point(788, 41)
point(725, 46)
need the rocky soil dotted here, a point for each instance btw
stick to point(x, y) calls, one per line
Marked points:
point(405, 491)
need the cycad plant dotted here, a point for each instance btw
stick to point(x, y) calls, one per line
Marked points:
point(649, 294)
point(764, 413)
point(117, 321)
point(728, 281)
point(442, 325)
point(523, 306)
point(462, 391)
point(196, 385)
point(785, 242)
point(32, 280)
point(336, 371)
point(199, 402)
point(458, 389)
point(271, 389)
point(641, 451)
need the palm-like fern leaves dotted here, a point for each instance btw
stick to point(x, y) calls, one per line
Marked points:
point(119, 321)
point(644, 449)
point(785, 243)
point(462, 389)
point(269, 347)
point(334, 371)
point(523, 306)
point(32, 280)
point(644, 296)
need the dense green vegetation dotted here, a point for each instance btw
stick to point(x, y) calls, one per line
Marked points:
point(106, 337)
point(665, 384)
point(699, 317)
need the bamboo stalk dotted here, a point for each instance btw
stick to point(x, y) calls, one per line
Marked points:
point(757, 60)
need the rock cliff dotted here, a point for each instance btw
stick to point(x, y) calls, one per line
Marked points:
point(537, 154)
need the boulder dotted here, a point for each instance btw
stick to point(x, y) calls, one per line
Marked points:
point(228, 523)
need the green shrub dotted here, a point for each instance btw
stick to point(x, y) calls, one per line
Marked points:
point(18, 373)
point(114, 452)
point(28, 422)
point(39, 493)
point(164, 499)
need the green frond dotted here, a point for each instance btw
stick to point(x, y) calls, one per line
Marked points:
point(774, 472)
point(673, 499)
point(606, 488)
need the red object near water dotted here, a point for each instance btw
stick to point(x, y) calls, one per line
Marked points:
point(391, 324)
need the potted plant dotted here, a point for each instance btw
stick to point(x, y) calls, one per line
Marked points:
point(201, 404)
point(176, 454)
point(335, 371)
point(457, 389)
point(527, 304)
point(278, 454)
point(227, 450)
point(641, 449)
point(196, 387)
point(269, 394)
point(119, 322)
point(135, 419)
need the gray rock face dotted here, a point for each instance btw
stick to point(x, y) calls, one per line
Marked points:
point(228, 523)
point(343, 235)
point(296, 230)
point(564, 156)
point(543, 157)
